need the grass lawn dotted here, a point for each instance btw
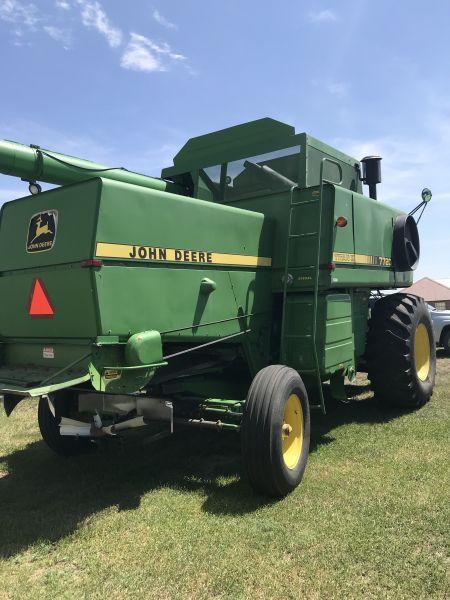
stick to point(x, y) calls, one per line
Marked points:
point(173, 519)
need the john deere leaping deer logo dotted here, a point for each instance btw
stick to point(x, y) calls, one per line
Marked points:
point(42, 231)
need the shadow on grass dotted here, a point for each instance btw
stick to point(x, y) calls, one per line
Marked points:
point(44, 497)
point(355, 410)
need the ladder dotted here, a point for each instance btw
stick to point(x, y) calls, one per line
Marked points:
point(287, 278)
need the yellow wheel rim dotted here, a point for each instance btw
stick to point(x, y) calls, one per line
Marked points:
point(292, 431)
point(422, 353)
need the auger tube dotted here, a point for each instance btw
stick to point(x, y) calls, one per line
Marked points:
point(32, 163)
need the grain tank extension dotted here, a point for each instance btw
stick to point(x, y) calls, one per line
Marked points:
point(222, 295)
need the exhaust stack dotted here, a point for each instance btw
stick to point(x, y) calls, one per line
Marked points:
point(371, 173)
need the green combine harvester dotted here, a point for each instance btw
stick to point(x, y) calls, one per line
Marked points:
point(222, 295)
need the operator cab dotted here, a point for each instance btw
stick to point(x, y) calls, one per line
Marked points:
point(257, 159)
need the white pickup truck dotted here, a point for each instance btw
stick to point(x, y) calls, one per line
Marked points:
point(441, 327)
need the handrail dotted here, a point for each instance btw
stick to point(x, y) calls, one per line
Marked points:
point(325, 159)
point(286, 270)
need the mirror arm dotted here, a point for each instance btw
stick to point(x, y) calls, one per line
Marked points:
point(414, 210)
point(422, 206)
point(420, 216)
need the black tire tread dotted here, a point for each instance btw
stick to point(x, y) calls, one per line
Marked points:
point(257, 430)
point(390, 362)
point(49, 427)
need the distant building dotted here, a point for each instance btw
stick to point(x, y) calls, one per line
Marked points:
point(435, 292)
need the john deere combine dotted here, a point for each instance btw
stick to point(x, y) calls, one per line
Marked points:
point(220, 296)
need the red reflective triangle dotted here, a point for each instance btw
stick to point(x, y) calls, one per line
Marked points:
point(40, 305)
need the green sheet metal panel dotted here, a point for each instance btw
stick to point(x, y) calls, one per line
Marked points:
point(316, 152)
point(132, 215)
point(30, 352)
point(335, 344)
point(366, 237)
point(302, 249)
point(373, 225)
point(370, 264)
point(151, 247)
point(249, 289)
point(66, 285)
point(339, 350)
point(343, 238)
point(138, 298)
point(126, 295)
point(70, 291)
point(76, 207)
point(275, 207)
point(360, 317)
point(360, 251)
point(298, 334)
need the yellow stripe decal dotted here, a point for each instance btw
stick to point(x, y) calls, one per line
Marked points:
point(362, 259)
point(157, 254)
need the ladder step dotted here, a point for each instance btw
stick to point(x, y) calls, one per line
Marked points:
point(309, 267)
point(309, 234)
point(303, 268)
point(303, 202)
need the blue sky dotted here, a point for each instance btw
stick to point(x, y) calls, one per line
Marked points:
point(127, 83)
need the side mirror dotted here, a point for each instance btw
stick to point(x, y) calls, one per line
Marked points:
point(426, 195)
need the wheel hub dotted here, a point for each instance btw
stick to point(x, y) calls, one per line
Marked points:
point(422, 352)
point(292, 431)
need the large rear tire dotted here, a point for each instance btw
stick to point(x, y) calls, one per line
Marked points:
point(401, 351)
point(276, 431)
point(49, 426)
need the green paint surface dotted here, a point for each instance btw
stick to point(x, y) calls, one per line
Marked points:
point(157, 247)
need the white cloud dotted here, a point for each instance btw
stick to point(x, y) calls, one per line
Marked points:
point(20, 39)
point(26, 18)
point(14, 11)
point(142, 54)
point(159, 18)
point(337, 88)
point(59, 35)
point(323, 16)
point(93, 15)
point(139, 57)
